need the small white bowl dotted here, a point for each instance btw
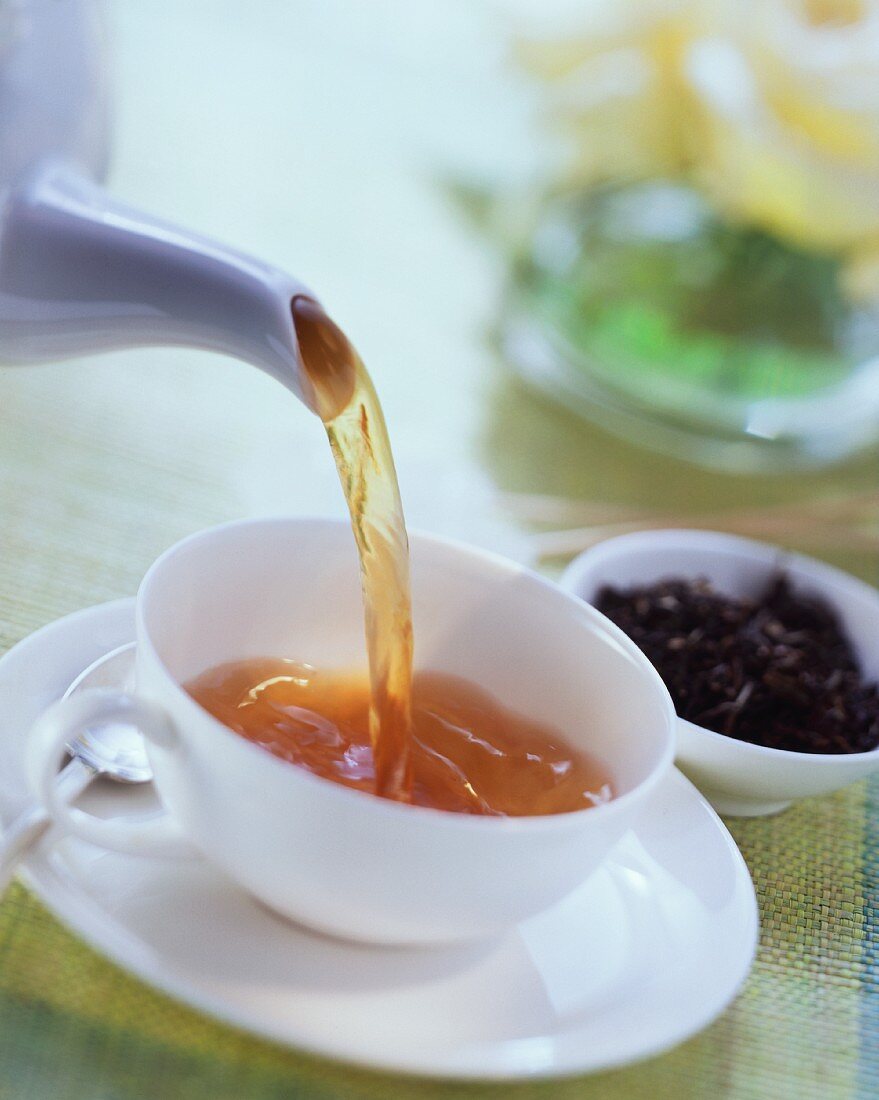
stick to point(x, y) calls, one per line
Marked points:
point(738, 778)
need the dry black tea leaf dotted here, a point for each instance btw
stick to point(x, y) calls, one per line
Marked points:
point(776, 671)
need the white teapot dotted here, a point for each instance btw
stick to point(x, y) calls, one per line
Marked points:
point(81, 273)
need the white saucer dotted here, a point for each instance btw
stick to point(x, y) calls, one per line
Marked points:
point(646, 953)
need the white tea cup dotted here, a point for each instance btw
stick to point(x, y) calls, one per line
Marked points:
point(340, 860)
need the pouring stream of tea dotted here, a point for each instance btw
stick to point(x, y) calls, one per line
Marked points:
point(348, 405)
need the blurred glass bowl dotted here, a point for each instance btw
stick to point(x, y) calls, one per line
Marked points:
point(637, 307)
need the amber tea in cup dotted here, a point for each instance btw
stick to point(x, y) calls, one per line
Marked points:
point(469, 753)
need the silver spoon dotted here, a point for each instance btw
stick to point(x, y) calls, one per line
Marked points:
point(114, 750)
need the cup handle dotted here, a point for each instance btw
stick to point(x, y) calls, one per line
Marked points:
point(61, 724)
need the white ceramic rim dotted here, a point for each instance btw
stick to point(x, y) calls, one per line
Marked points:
point(822, 573)
point(444, 818)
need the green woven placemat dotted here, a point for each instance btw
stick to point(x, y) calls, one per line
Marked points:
point(102, 465)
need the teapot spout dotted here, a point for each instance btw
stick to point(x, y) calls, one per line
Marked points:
point(81, 273)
